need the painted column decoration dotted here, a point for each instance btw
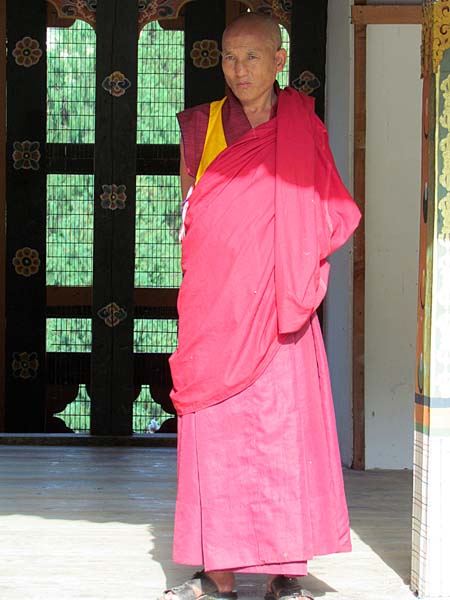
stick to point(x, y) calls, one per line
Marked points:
point(25, 280)
point(431, 497)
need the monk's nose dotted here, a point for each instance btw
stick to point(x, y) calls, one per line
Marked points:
point(240, 68)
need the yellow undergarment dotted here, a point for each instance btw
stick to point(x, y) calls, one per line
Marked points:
point(215, 141)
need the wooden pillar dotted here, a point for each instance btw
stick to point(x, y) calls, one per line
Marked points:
point(431, 497)
point(112, 377)
point(308, 49)
point(26, 216)
point(204, 25)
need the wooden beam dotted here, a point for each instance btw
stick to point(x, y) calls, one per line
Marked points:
point(82, 296)
point(359, 255)
point(387, 15)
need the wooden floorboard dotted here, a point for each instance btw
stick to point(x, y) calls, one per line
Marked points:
point(96, 523)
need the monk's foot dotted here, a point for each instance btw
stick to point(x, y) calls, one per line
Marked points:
point(219, 584)
point(280, 587)
point(224, 580)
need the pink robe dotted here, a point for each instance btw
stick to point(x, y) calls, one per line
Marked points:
point(260, 483)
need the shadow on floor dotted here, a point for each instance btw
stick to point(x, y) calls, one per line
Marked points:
point(380, 505)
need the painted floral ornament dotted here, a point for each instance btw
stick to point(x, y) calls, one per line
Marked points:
point(26, 155)
point(116, 84)
point(26, 262)
point(205, 54)
point(113, 197)
point(307, 83)
point(25, 365)
point(27, 52)
point(112, 314)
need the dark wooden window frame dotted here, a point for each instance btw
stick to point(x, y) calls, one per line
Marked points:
point(2, 211)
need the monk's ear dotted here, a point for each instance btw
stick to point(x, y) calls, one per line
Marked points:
point(280, 59)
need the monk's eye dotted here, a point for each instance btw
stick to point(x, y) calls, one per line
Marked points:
point(228, 57)
point(252, 57)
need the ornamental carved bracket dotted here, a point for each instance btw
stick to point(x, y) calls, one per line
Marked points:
point(436, 34)
point(155, 10)
point(279, 9)
point(149, 10)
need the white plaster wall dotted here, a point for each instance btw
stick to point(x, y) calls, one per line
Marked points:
point(392, 238)
point(338, 304)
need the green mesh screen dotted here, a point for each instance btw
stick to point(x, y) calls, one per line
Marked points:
point(69, 335)
point(148, 416)
point(155, 335)
point(70, 227)
point(160, 84)
point(158, 218)
point(283, 77)
point(75, 335)
point(71, 84)
point(77, 415)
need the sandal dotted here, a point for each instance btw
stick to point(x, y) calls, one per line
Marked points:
point(286, 588)
point(200, 580)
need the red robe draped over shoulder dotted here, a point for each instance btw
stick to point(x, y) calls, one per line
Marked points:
point(261, 222)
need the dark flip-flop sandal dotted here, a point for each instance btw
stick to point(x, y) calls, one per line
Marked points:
point(286, 588)
point(200, 580)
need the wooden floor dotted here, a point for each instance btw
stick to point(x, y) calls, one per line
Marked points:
point(96, 523)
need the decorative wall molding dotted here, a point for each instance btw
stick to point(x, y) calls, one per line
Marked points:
point(436, 34)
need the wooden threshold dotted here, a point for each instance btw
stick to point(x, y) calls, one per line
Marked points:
point(382, 14)
point(154, 440)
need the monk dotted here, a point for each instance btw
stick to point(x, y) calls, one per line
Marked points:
point(260, 486)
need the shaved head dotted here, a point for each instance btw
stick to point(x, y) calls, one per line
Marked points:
point(255, 23)
point(251, 58)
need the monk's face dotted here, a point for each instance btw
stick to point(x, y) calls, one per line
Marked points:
point(250, 62)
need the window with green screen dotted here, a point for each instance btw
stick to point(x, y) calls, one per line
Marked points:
point(70, 200)
point(158, 251)
point(71, 79)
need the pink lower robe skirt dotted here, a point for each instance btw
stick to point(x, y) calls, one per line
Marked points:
point(260, 486)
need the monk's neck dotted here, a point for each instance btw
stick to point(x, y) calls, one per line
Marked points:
point(261, 111)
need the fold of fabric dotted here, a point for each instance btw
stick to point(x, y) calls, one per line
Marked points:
point(314, 213)
point(260, 486)
point(261, 221)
